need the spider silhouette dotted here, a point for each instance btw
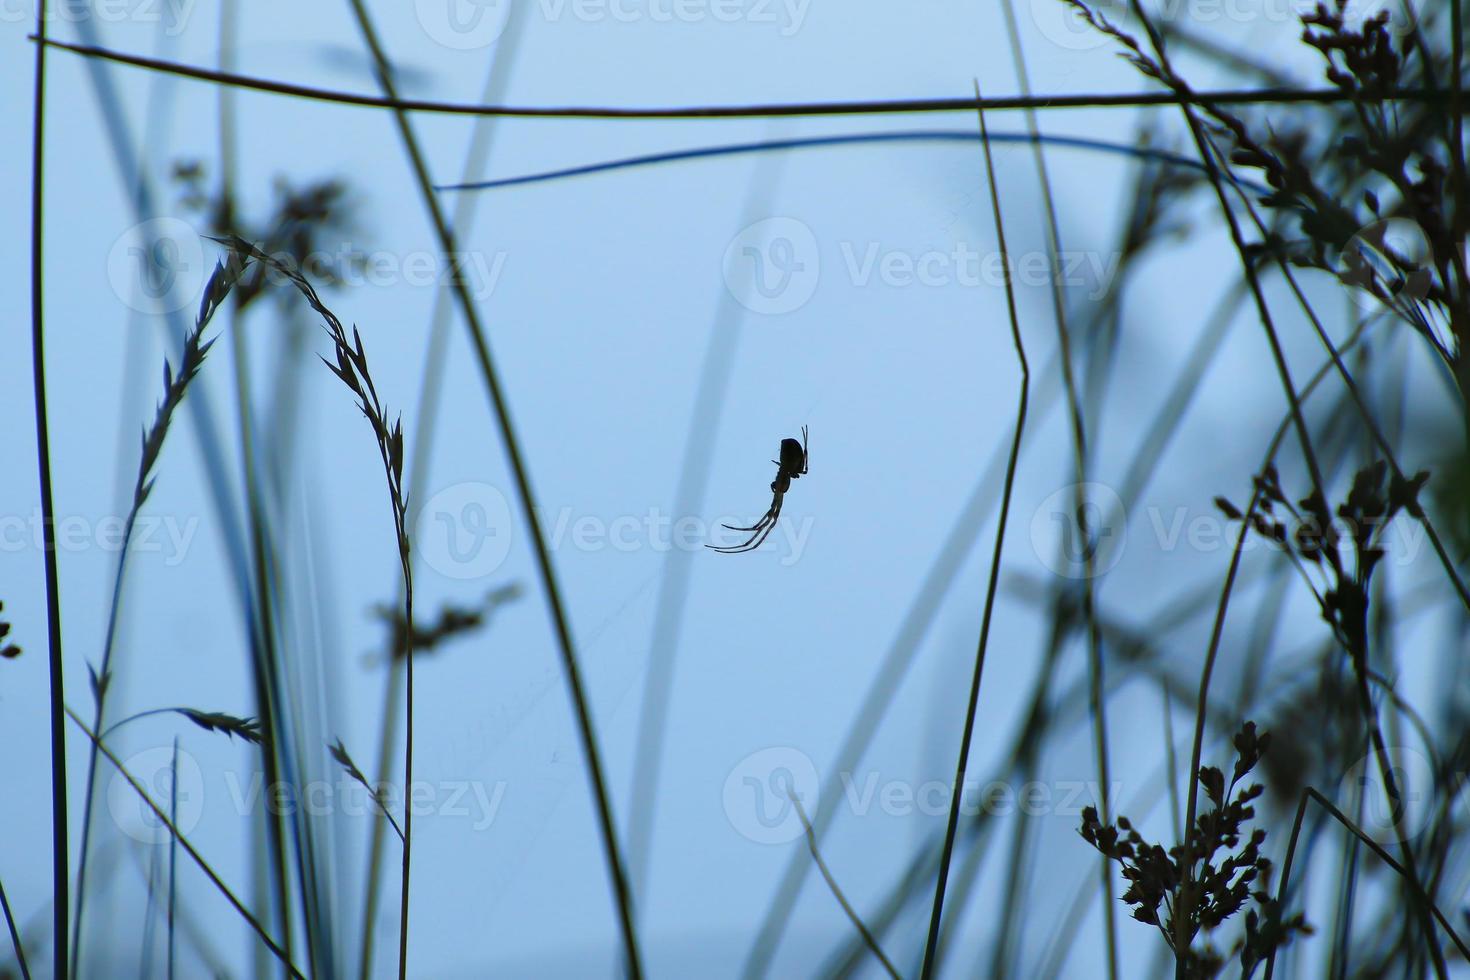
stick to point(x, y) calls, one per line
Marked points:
point(791, 465)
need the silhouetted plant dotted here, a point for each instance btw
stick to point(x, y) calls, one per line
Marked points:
point(291, 233)
point(1220, 884)
point(377, 793)
point(1319, 537)
point(1379, 160)
point(453, 621)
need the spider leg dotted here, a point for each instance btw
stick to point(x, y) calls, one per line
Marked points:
point(760, 530)
point(755, 532)
point(770, 515)
point(750, 544)
point(764, 534)
point(746, 545)
point(759, 525)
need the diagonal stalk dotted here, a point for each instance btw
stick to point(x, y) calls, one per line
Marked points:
point(1000, 537)
point(59, 868)
point(499, 404)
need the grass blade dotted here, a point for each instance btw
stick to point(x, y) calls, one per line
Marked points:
point(952, 826)
point(60, 872)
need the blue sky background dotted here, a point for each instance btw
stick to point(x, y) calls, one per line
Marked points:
point(609, 291)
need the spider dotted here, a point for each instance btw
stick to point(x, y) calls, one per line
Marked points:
point(791, 465)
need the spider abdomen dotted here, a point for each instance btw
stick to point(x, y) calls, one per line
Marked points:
point(793, 456)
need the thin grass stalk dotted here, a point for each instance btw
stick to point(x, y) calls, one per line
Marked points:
point(1457, 121)
point(1459, 217)
point(1347, 888)
point(1058, 950)
point(339, 752)
point(418, 467)
point(1176, 809)
point(1375, 431)
point(153, 910)
point(141, 199)
point(1201, 702)
point(1011, 903)
point(176, 386)
point(393, 691)
point(1124, 100)
point(59, 865)
point(246, 728)
point(351, 368)
point(1145, 799)
point(1038, 712)
point(1183, 914)
point(264, 606)
point(1360, 657)
point(407, 832)
point(173, 855)
point(571, 669)
point(957, 543)
point(1296, 829)
point(266, 673)
point(1079, 464)
point(130, 407)
point(1207, 157)
point(852, 916)
point(1227, 589)
point(1000, 532)
point(920, 872)
point(1042, 714)
point(1039, 718)
point(189, 848)
point(133, 176)
point(142, 202)
point(15, 943)
point(1064, 942)
point(1310, 794)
